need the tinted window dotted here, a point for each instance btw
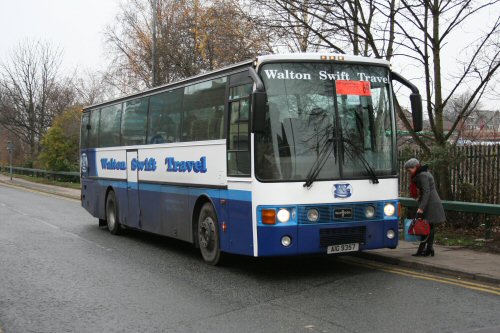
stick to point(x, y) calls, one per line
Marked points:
point(109, 128)
point(94, 128)
point(204, 111)
point(165, 111)
point(134, 122)
point(84, 133)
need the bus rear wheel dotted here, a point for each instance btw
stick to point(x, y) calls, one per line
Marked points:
point(112, 221)
point(208, 235)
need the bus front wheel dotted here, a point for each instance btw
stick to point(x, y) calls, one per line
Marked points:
point(112, 221)
point(208, 235)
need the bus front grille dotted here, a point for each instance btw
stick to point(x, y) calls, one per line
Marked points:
point(335, 236)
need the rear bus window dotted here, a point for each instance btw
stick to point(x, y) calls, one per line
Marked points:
point(94, 128)
point(84, 132)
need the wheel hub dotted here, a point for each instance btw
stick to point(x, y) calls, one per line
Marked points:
point(111, 215)
point(206, 233)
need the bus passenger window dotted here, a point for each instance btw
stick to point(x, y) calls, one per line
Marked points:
point(109, 129)
point(134, 121)
point(204, 111)
point(165, 117)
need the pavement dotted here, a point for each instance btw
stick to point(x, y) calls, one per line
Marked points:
point(50, 189)
point(450, 260)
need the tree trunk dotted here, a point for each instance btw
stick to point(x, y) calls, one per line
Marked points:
point(442, 171)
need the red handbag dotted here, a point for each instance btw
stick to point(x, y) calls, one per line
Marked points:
point(419, 227)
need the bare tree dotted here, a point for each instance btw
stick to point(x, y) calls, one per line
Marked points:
point(364, 27)
point(32, 92)
point(424, 29)
point(297, 26)
point(191, 37)
point(415, 31)
point(91, 87)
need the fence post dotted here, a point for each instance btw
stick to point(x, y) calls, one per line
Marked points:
point(10, 149)
point(487, 225)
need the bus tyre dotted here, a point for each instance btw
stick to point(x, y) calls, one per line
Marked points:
point(112, 221)
point(208, 235)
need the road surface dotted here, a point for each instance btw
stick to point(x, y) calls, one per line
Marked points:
point(59, 272)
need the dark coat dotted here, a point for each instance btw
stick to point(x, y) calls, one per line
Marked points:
point(428, 199)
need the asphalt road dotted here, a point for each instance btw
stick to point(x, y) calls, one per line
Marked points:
point(60, 273)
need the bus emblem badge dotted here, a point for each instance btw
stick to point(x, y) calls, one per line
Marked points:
point(342, 190)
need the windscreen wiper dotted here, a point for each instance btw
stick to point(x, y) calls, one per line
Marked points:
point(320, 162)
point(325, 152)
point(355, 152)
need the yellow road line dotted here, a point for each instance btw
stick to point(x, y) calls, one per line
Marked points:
point(405, 271)
point(38, 192)
point(460, 283)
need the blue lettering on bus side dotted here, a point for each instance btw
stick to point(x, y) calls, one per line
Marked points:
point(149, 164)
point(186, 166)
point(112, 164)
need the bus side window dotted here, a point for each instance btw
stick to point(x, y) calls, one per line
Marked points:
point(238, 150)
point(204, 110)
point(134, 121)
point(84, 132)
point(94, 128)
point(165, 117)
point(109, 128)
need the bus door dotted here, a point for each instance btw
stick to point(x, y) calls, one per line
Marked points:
point(134, 212)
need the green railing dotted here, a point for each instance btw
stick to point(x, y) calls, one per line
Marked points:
point(56, 175)
point(464, 207)
point(458, 206)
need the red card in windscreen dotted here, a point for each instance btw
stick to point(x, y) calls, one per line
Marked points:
point(349, 87)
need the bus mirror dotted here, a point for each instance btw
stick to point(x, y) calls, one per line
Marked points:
point(416, 111)
point(259, 107)
point(415, 99)
point(88, 126)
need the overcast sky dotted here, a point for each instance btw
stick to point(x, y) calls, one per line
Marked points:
point(77, 26)
point(74, 25)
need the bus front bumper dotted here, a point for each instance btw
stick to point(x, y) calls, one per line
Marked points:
point(316, 238)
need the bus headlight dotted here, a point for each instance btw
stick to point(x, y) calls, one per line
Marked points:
point(369, 212)
point(312, 215)
point(389, 209)
point(283, 215)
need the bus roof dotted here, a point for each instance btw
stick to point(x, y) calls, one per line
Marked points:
point(321, 57)
point(258, 61)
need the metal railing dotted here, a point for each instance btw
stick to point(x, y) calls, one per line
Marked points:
point(70, 176)
point(464, 207)
point(459, 206)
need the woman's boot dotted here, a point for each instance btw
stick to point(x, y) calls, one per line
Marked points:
point(429, 251)
point(421, 250)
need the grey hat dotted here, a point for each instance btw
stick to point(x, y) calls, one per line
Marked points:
point(412, 162)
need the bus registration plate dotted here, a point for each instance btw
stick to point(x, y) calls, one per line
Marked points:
point(342, 248)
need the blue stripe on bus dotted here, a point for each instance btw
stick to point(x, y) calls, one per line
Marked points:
point(239, 195)
point(166, 209)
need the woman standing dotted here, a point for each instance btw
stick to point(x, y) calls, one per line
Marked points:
point(430, 208)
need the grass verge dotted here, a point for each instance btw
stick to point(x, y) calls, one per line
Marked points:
point(47, 181)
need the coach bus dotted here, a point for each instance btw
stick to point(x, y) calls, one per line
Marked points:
point(281, 155)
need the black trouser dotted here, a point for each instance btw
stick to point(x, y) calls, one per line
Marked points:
point(428, 240)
